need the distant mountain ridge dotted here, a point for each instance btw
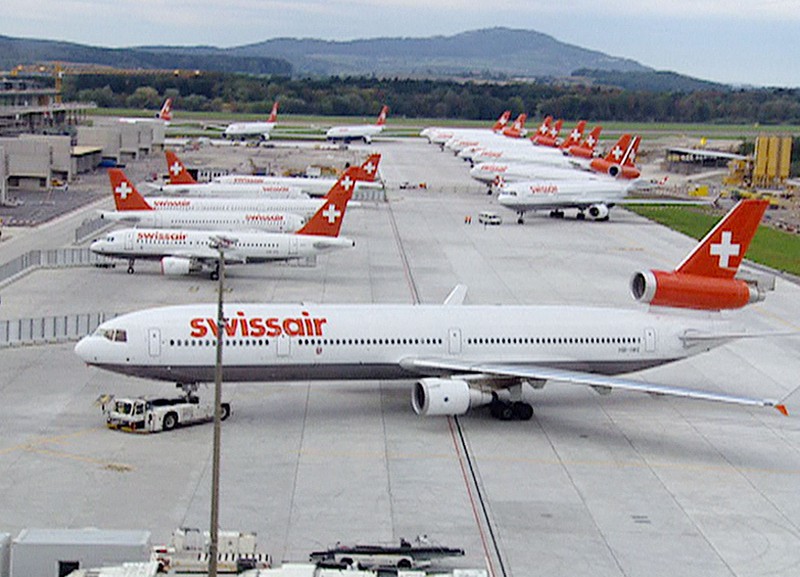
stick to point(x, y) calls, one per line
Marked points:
point(490, 53)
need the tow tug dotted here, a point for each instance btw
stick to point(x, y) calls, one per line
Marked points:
point(407, 555)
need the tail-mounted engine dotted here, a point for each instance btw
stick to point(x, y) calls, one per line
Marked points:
point(670, 289)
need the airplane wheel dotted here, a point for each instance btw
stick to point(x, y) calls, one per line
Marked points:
point(502, 411)
point(520, 220)
point(522, 411)
point(226, 411)
point(214, 275)
point(581, 216)
point(130, 270)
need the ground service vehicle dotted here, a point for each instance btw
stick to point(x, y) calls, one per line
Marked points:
point(151, 415)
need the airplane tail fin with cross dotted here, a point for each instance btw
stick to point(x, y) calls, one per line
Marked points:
point(177, 170)
point(327, 221)
point(126, 197)
point(706, 278)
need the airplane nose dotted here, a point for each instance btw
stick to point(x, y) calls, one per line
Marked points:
point(83, 349)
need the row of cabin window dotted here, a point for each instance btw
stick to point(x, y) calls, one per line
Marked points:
point(312, 342)
point(552, 340)
point(205, 243)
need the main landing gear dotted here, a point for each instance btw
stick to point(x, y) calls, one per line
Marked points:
point(215, 273)
point(556, 213)
point(510, 410)
point(130, 266)
point(520, 218)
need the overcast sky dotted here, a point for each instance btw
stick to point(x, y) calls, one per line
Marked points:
point(734, 41)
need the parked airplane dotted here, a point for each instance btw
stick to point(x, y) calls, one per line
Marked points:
point(526, 153)
point(183, 252)
point(461, 357)
point(128, 200)
point(367, 178)
point(594, 198)
point(618, 163)
point(133, 208)
point(164, 115)
point(363, 132)
point(509, 134)
point(181, 182)
point(259, 129)
point(440, 135)
point(550, 138)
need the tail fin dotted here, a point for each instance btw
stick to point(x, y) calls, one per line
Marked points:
point(126, 197)
point(705, 280)
point(544, 127)
point(575, 137)
point(177, 171)
point(586, 148)
point(327, 221)
point(166, 110)
point(550, 137)
point(382, 115)
point(517, 129)
point(619, 162)
point(555, 130)
point(368, 171)
point(721, 251)
point(273, 116)
point(502, 121)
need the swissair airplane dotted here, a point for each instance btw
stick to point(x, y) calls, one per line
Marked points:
point(181, 182)
point(184, 252)
point(440, 135)
point(509, 134)
point(367, 178)
point(526, 153)
point(133, 208)
point(164, 115)
point(460, 356)
point(244, 130)
point(128, 199)
point(363, 132)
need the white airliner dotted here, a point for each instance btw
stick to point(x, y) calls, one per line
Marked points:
point(529, 153)
point(184, 252)
point(128, 200)
point(164, 116)
point(244, 130)
point(363, 132)
point(182, 183)
point(133, 208)
point(461, 356)
point(440, 135)
point(311, 186)
point(508, 134)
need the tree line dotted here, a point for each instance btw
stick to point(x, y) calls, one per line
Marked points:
point(414, 98)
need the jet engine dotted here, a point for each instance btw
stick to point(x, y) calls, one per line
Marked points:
point(615, 170)
point(432, 397)
point(671, 289)
point(598, 211)
point(175, 265)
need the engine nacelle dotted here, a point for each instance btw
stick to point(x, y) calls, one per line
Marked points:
point(598, 211)
point(175, 265)
point(670, 289)
point(433, 397)
point(615, 170)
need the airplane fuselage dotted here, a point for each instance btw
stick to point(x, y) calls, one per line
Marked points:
point(342, 342)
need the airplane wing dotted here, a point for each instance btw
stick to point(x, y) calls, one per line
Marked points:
point(601, 383)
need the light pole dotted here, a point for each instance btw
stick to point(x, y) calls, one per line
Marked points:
point(219, 243)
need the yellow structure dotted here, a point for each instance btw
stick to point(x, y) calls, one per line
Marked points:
point(772, 162)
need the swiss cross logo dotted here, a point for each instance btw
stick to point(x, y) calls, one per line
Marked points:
point(617, 152)
point(175, 169)
point(123, 190)
point(369, 168)
point(347, 183)
point(575, 136)
point(590, 141)
point(725, 249)
point(554, 132)
point(543, 129)
point(331, 213)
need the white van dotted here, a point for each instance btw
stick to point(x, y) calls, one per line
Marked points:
point(490, 218)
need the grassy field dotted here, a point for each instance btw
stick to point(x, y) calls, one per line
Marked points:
point(770, 247)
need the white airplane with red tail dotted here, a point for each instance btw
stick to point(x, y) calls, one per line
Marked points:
point(257, 129)
point(363, 132)
point(460, 356)
point(440, 135)
point(164, 115)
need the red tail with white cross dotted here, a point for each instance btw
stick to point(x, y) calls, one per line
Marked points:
point(126, 197)
point(177, 171)
point(327, 221)
point(706, 279)
point(368, 171)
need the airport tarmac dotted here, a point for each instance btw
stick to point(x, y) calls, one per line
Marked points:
point(622, 484)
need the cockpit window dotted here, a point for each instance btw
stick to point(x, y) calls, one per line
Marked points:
point(116, 335)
